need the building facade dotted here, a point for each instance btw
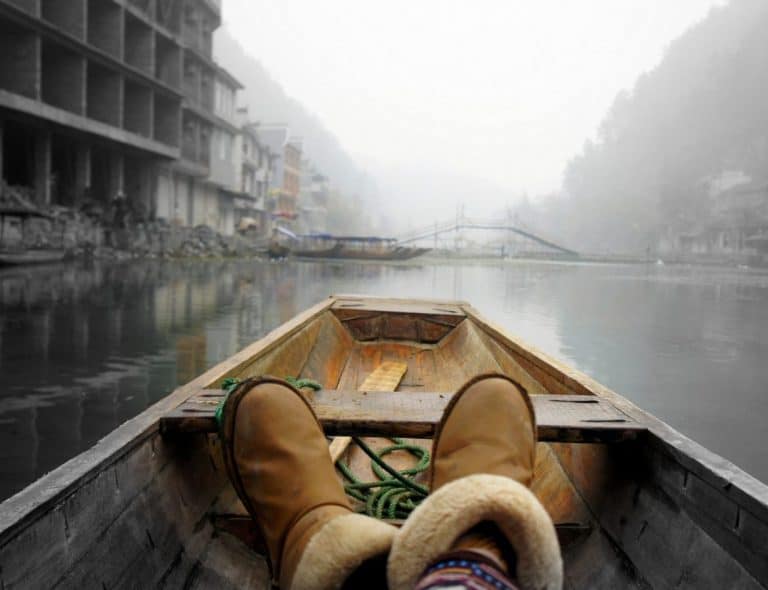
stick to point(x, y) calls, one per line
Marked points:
point(224, 159)
point(223, 169)
point(734, 227)
point(285, 182)
point(185, 194)
point(90, 98)
point(313, 200)
point(253, 161)
point(104, 101)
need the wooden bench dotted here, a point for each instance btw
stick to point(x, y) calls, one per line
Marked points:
point(560, 418)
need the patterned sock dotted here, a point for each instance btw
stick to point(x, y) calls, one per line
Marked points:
point(486, 539)
point(464, 570)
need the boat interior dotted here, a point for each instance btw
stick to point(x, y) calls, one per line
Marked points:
point(635, 504)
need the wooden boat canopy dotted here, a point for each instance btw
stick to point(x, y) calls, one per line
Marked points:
point(635, 503)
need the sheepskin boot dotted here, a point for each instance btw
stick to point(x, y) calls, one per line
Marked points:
point(278, 461)
point(482, 464)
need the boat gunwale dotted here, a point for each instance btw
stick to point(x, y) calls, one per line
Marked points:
point(53, 488)
point(739, 486)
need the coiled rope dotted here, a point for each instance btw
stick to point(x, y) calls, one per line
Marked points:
point(395, 493)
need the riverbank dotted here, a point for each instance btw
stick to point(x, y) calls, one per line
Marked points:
point(158, 239)
point(79, 235)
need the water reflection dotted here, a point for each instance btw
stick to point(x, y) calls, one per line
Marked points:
point(84, 348)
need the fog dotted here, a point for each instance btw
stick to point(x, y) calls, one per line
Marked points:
point(480, 102)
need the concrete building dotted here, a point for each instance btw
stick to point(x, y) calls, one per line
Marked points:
point(90, 97)
point(185, 195)
point(101, 99)
point(223, 169)
point(735, 228)
point(224, 158)
point(285, 183)
point(313, 200)
point(253, 161)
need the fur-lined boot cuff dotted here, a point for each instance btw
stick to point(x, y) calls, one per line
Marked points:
point(338, 549)
point(459, 505)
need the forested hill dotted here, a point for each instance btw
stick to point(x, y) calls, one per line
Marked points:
point(701, 112)
point(268, 103)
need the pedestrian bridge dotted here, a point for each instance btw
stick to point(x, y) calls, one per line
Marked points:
point(454, 226)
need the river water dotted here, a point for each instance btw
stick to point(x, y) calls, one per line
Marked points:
point(85, 347)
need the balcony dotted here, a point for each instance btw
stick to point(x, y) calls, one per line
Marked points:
point(168, 14)
point(68, 16)
point(197, 30)
point(19, 61)
point(168, 62)
point(63, 79)
point(105, 95)
point(139, 51)
point(105, 19)
point(137, 109)
point(167, 117)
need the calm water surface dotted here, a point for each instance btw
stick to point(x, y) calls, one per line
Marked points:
point(84, 348)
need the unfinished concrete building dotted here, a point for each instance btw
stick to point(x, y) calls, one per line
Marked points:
point(101, 98)
point(90, 97)
point(185, 194)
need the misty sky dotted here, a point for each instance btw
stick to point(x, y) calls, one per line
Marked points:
point(504, 90)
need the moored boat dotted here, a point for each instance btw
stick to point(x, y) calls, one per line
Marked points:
point(30, 256)
point(19, 253)
point(321, 251)
point(277, 251)
point(354, 248)
point(635, 503)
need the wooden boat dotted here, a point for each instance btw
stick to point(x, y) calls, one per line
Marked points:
point(277, 251)
point(354, 248)
point(321, 252)
point(17, 254)
point(387, 253)
point(31, 256)
point(636, 504)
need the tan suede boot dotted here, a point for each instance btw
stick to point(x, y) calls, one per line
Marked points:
point(482, 464)
point(278, 461)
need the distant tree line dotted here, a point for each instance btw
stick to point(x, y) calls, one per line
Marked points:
point(702, 111)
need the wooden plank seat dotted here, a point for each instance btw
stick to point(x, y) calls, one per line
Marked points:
point(560, 418)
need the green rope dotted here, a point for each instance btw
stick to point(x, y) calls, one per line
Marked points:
point(395, 493)
point(304, 383)
point(230, 383)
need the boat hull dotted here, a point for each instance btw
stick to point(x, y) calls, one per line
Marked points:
point(34, 256)
point(655, 510)
point(345, 253)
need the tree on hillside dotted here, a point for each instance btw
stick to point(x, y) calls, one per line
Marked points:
point(702, 111)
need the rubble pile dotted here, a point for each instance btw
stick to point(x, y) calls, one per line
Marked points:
point(16, 197)
point(160, 239)
point(113, 232)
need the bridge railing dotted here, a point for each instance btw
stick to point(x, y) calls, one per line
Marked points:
point(461, 223)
